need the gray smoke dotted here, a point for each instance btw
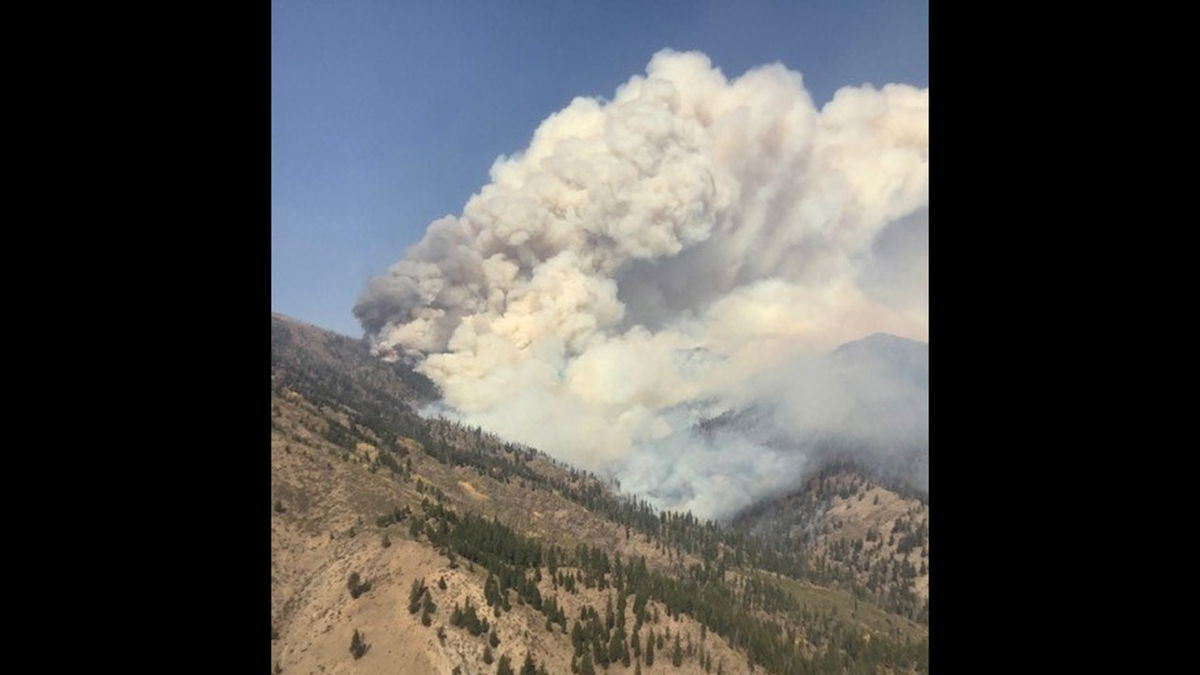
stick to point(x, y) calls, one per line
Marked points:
point(695, 246)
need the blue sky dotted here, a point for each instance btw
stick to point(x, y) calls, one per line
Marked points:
point(388, 115)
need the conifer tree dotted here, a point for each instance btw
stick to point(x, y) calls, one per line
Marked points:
point(414, 596)
point(529, 667)
point(427, 610)
point(358, 645)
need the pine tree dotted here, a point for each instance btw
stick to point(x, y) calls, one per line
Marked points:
point(599, 650)
point(529, 667)
point(414, 596)
point(677, 656)
point(487, 655)
point(616, 646)
point(358, 645)
point(586, 667)
point(427, 610)
point(356, 586)
point(505, 666)
point(650, 649)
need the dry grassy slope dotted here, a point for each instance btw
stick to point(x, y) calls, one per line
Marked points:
point(859, 512)
point(327, 491)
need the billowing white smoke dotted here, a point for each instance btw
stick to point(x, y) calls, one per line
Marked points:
point(646, 260)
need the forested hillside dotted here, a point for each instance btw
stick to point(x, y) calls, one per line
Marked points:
point(406, 544)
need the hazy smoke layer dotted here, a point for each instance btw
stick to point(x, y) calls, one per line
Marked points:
point(659, 258)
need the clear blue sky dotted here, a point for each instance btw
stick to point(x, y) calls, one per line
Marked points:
point(388, 115)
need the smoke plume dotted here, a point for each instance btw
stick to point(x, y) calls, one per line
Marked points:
point(694, 246)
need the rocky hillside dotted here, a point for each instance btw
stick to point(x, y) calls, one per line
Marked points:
point(405, 544)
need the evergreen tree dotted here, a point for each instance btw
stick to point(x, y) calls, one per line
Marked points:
point(650, 650)
point(414, 596)
point(356, 586)
point(599, 649)
point(677, 656)
point(487, 655)
point(427, 610)
point(529, 667)
point(505, 666)
point(616, 646)
point(585, 666)
point(358, 645)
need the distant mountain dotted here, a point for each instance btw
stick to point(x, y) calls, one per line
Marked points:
point(866, 402)
point(900, 357)
point(420, 545)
